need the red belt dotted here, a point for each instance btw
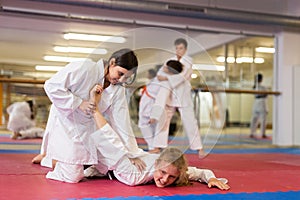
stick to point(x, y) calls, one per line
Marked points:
point(146, 92)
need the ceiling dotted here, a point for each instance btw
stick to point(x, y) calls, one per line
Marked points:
point(29, 29)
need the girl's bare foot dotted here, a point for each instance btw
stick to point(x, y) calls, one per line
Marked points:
point(54, 164)
point(15, 135)
point(201, 153)
point(37, 159)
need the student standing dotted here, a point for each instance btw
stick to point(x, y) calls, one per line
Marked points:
point(260, 108)
point(152, 106)
point(181, 98)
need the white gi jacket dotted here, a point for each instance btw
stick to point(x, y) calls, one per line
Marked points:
point(153, 100)
point(122, 167)
point(128, 174)
point(259, 111)
point(69, 128)
point(260, 103)
point(152, 106)
point(19, 117)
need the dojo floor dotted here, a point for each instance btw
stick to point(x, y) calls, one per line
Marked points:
point(255, 169)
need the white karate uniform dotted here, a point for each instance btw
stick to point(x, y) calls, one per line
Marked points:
point(33, 132)
point(68, 129)
point(181, 98)
point(19, 117)
point(20, 121)
point(259, 111)
point(152, 106)
point(113, 156)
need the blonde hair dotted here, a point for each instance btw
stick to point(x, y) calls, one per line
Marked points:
point(176, 158)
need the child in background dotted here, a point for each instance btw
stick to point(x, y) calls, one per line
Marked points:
point(260, 108)
point(152, 107)
point(181, 97)
point(21, 121)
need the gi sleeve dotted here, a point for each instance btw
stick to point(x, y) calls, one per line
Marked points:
point(10, 108)
point(60, 87)
point(120, 121)
point(201, 175)
point(160, 101)
point(109, 145)
point(180, 78)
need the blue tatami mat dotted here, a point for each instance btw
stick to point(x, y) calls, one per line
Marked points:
point(292, 195)
point(245, 150)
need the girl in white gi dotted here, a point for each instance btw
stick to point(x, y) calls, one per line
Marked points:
point(260, 108)
point(168, 168)
point(181, 99)
point(70, 122)
point(152, 106)
point(21, 121)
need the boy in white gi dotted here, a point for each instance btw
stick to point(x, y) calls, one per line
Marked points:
point(260, 108)
point(168, 168)
point(181, 99)
point(152, 106)
point(70, 122)
point(21, 121)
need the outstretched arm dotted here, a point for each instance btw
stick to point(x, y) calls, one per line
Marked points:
point(207, 176)
point(95, 96)
point(118, 113)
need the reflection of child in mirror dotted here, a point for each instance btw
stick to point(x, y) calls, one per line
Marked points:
point(21, 121)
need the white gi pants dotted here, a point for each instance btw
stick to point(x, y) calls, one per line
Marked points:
point(33, 132)
point(190, 127)
point(70, 173)
point(259, 113)
point(110, 151)
point(154, 107)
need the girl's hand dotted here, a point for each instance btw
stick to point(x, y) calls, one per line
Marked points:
point(87, 107)
point(138, 163)
point(152, 121)
point(95, 94)
point(217, 183)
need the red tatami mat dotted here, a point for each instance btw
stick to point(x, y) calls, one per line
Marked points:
point(246, 173)
point(5, 140)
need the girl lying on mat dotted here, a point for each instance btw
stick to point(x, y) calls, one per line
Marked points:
point(168, 168)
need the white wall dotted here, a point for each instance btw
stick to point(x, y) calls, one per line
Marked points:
point(296, 104)
point(287, 56)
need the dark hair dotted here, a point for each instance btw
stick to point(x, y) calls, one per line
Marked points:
point(174, 66)
point(125, 58)
point(181, 41)
point(152, 72)
point(257, 79)
point(30, 103)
